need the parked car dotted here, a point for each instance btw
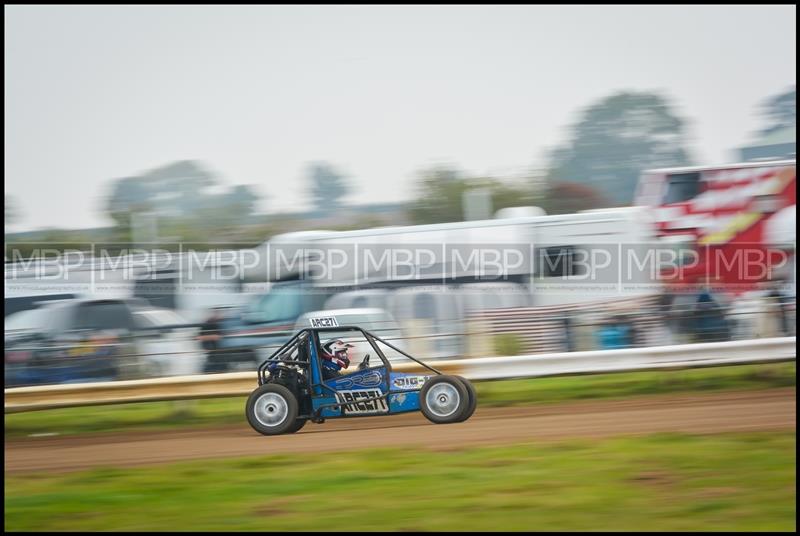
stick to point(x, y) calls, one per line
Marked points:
point(434, 316)
point(17, 304)
point(360, 298)
point(266, 320)
point(373, 319)
point(95, 340)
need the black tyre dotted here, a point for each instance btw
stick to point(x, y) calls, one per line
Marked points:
point(298, 424)
point(272, 409)
point(473, 400)
point(443, 399)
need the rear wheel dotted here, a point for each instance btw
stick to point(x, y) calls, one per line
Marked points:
point(298, 424)
point(473, 400)
point(444, 399)
point(272, 409)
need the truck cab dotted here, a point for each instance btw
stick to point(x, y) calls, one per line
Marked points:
point(251, 332)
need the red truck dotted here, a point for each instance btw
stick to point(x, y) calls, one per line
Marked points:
point(734, 223)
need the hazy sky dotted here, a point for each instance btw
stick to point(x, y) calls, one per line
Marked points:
point(256, 92)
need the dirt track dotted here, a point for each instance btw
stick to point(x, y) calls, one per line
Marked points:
point(693, 413)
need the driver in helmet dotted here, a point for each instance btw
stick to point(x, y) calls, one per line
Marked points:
point(334, 358)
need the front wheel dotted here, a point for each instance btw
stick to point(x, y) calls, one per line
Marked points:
point(444, 399)
point(272, 409)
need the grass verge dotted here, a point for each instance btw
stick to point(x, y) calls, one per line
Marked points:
point(221, 411)
point(662, 482)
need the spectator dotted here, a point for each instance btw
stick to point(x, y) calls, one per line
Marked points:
point(778, 303)
point(615, 333)
point(568, 333)
point(710, 324)
point(663, 332)
point(210, 339)
point(635, 334)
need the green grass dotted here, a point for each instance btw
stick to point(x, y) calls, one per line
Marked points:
point(661, 482)
point(623, 385)
point(221, 411)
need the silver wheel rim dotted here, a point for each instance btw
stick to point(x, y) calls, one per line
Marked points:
point(442, 399)
point(271, 409)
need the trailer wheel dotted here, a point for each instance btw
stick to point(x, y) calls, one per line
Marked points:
point(473, 399)
point(443, 399)
point(272, 409)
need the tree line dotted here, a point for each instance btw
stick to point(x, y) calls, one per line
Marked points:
point(607, 147)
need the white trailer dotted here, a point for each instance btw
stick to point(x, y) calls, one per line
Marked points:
point(569, 258)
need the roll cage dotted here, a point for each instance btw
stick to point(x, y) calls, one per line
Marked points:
point(304, 356)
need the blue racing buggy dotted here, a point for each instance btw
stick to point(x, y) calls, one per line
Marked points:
point(310, 379)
